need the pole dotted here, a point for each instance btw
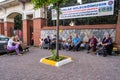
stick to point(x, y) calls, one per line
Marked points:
point(57, 29)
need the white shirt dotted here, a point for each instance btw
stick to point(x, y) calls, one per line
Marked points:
point(10, 42)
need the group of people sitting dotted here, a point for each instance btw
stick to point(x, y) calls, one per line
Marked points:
point(74, 43)
point(15, 44)
point(104, 47)
point(69, 44)
point(48, 42)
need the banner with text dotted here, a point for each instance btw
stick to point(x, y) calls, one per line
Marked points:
point(86, 10)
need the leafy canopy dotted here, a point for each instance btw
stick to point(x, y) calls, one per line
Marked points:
point(18, 22)
point(43, 3)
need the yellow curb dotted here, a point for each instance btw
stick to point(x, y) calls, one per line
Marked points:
point(55, 63)
point(49, 62)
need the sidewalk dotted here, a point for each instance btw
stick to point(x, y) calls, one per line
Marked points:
point(84, 67)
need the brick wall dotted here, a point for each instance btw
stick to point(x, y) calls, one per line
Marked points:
point(118, 30)
point(101, 26)
point(1, 28)
point(26, 31)
point(37, 25)
point(8, 28)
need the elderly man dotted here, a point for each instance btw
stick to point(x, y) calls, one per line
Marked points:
point(76, 41)
point(47, 42)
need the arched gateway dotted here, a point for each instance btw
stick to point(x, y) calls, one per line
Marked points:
point(31, 18)
point(35, 20)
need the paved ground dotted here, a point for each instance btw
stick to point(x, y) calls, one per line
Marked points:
point(84, 67)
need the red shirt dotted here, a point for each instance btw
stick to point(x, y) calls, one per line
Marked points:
point(92, 41)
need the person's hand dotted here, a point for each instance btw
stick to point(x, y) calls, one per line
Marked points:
point(91, 45)
point(100, 43)
point(18, 42)
point(104, 44)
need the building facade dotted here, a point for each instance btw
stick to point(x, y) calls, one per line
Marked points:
point(36, 20)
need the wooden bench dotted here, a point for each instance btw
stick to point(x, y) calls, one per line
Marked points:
point(116, 49)
point(25, 47)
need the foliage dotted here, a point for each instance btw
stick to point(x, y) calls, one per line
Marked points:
point(69, 3)
point(119, 4)
point(43, 3)
point(18, 22)
point(53, 56)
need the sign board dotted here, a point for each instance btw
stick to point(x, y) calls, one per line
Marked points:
point(102, 8)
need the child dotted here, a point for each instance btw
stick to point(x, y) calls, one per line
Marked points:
point(41, 43)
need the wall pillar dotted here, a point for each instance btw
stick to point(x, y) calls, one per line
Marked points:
point(27, 24)
point(117, 40)
point(2, 28)
point(38, 23)
point(8, 29)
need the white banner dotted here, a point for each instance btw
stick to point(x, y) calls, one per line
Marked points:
point(86, 10)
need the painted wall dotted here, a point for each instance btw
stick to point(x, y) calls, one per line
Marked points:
point(83, 33)
point(28, 6)
point(1, 12)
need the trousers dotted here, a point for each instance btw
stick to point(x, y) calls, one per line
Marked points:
point(16, 48)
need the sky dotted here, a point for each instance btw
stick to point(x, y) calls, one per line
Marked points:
point(2, 0)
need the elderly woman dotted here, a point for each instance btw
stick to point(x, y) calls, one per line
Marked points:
point(13, 45)
point(92, 43)
point(107, 45)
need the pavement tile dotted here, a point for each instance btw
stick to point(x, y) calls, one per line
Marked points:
point(84, 67)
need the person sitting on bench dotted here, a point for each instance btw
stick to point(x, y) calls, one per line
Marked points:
point(68, 43)
point(107, 45)
point(47, 42)
point(76, 42)
point(53, 42)
point(13, 45)
point(17, 39)
point(92, 43)
point(22, 46)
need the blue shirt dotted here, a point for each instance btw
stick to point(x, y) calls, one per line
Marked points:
point(47, 40)
point(76, 41)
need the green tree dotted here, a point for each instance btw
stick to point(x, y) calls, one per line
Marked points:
point(18, 22)
point(43, 3)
